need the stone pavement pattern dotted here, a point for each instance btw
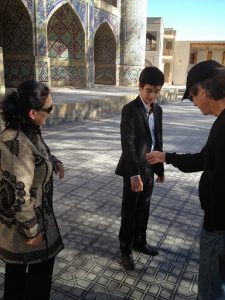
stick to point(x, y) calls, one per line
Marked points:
point(87, 206)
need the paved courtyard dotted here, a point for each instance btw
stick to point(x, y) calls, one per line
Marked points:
point(87, 206)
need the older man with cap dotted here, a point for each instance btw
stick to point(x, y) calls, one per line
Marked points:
point(206, 88)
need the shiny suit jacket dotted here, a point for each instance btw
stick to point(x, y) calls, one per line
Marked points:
point(136, 139)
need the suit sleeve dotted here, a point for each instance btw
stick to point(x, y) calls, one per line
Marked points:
point(128, 142)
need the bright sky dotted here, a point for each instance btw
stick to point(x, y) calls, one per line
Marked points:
point(202, 20)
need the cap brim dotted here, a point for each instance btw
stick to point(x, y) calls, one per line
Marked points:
point(186, 94)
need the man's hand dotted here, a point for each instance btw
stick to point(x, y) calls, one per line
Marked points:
point(155, 157)
point(136, 184)
point(59, 169)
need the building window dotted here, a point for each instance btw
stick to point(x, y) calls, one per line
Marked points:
point(223, 60)
point(151, 38)
point(193, 58)
point(209, 55)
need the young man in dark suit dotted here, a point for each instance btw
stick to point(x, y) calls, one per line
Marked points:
point(141, 132)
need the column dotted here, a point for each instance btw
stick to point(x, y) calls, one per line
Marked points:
point(132, 41)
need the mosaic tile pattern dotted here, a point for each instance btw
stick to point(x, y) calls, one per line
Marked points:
point(81, 10)
point(65, 35)
point(67, 73)
point(105, 55)
point(18, 70)
point(17, 29)
point(132, 39)
point(17, 43)
point(42, 46)
point(67, 29)
point(129, 75)
point(101, 17)
point(43, 71)
point(79, 7)
point(40, 13)
point(135, 32)
point(51, 4)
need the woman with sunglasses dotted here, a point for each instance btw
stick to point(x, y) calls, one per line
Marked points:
point(29, 235)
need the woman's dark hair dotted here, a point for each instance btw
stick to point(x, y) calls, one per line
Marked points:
point(15, 107)
point(152, 76)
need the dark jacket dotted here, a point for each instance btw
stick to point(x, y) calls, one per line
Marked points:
point(136, 139)
point(211, 160)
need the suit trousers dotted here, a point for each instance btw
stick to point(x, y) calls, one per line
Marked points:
point(135, 213)
point(28, 282)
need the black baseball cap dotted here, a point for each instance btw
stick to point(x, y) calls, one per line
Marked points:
point(202, 71)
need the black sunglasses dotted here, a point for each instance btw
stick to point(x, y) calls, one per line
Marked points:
point(48, 110)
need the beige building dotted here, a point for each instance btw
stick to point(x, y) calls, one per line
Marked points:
point(160, 45)
point(189, 53)
point(175, 58)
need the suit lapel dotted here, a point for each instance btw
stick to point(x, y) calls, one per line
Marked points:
point(156, 118)
point(142, 110)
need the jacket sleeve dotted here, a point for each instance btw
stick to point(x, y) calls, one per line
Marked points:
point(17, 178)
point(158, 169)
point(187, 163)
point(128, 142)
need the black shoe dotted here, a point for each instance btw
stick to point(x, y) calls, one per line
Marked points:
point(149, 250)
point(127, 261)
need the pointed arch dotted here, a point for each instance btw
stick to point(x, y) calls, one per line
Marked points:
point(17, 42)
point(58, 6)
point(66, 47)
point(105, 55)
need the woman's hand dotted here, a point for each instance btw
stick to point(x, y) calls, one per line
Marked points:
point(155, 157)
point(59, 169)
point(36, 241)
point(160, 179)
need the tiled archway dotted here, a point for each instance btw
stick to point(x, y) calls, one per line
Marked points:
point(17, 42)
point(66, 48)
point(105, 55)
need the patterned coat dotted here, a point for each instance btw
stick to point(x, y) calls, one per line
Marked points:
point(26, 189)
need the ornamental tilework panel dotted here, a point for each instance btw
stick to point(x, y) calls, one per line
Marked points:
point(101, 17)
point(129, 76)
point(17, 43)
point(105, 55)
point(40, 12)
point(18, 70)
point(67, 73)
point(42, 47)
point(65, 35)
point(51, 4)
point(43, 71)
point(133, 37)
point(17, 29)
point(105, 45)
point(79, 7)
